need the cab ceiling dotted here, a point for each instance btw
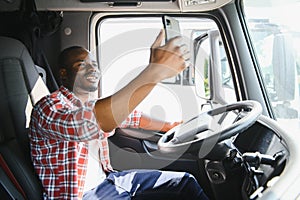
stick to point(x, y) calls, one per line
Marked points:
point(163, 6)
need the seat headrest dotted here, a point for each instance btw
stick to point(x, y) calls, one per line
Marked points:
point(12, 48)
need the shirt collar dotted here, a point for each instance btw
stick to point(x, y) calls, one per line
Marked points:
point(74, 99)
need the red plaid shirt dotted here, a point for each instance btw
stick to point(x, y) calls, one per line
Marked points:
point(60, 127)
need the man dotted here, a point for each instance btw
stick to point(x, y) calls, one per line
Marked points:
point(68, 132)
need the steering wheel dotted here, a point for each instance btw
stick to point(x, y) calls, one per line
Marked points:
point(215, 125)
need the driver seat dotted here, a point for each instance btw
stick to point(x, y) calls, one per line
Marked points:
point(20, 87)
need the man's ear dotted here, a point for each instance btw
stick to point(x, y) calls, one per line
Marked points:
point(65, 79)
point(63, 75)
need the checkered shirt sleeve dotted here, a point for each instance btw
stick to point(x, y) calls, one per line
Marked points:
point(132, 121)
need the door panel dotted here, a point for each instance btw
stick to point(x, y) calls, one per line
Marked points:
point(136, 148)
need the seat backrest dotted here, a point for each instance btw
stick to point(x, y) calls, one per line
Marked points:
point(20, 88)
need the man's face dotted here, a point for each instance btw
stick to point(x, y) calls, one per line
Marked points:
point(86, 72)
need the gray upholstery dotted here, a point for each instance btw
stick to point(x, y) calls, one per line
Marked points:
point(18, 77)
point(11, 48)
point(8, 6)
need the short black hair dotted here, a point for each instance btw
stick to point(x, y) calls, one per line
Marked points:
point(64, 56)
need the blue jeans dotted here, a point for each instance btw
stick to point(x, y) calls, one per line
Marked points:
point(147, 185)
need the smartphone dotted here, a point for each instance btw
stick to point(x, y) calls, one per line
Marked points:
point(171, 26)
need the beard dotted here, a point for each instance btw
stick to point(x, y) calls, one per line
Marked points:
point(84, 86)
point(92, 88)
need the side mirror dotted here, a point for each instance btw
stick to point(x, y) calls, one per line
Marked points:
point(201, 65)
point(212, 72)
point(208, 75)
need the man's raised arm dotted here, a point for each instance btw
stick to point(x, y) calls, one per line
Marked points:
point(165, 62)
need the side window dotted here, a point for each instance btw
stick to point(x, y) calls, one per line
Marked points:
point(124, 52)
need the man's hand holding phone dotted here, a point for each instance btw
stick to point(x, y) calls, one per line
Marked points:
point(172, 30)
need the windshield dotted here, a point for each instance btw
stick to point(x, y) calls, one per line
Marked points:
point(176, 98)
point(275, 33)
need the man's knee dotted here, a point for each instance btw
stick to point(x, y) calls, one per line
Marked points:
point(194, 188)
point(191, 179)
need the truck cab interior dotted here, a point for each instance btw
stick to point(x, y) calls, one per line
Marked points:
point(238, 99)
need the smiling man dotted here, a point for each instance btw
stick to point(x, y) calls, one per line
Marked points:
point(68, 133)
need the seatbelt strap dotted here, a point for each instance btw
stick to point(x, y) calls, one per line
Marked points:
point(7, 179)
point(35, 44)
point(9, 186)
